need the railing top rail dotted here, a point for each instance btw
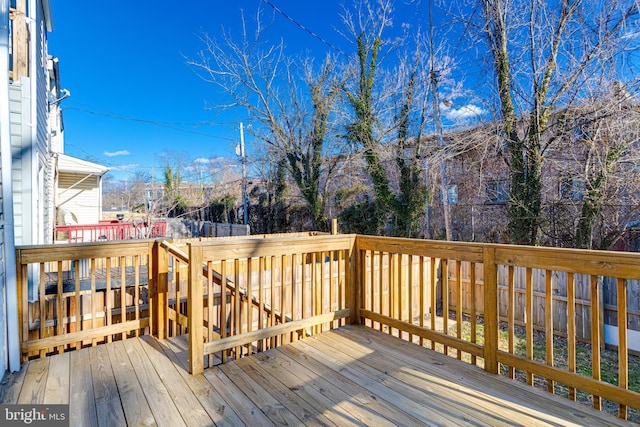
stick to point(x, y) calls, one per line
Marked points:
point(273, 246)
point(463, 251)
point(67, 251)
point(601, 263)
point(175, 251)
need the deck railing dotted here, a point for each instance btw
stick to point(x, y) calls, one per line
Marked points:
point(84, 294)
point(417, 290)
point(235, 297)
point(275, 290)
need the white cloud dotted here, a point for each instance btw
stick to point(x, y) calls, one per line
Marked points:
point(464, 112)
point(116, 153)
point(202, 160)
point(125, 168)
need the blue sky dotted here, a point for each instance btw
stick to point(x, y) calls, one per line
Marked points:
point(134, 97)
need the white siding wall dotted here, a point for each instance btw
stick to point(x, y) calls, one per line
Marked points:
point(80, 198)
point(19, 103)
point(40, 198)
point(4, 353)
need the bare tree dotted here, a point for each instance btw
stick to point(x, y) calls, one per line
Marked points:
point(543, 56)
point(292, 103)
point(598, 169)
point(387, 116)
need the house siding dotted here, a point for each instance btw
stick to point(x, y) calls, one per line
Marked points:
point(79, 198)
point(20, 148)
point(40, 196)
point(3, 280)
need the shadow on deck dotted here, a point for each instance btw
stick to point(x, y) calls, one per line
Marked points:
point(353, 375)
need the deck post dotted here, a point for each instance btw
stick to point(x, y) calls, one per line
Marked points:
point(22, 281)
point(158, 290)
point(195, 311)
point(490, 310)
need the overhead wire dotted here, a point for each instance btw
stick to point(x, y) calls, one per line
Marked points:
point(313, 34)
point(168, 125)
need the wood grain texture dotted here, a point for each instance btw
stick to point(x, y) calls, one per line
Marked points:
point(83, 411)
point(351, 376)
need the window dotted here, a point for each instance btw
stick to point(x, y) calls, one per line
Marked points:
point(497, 191)
point(452, 195)
point(581, 130)
point(571, 189)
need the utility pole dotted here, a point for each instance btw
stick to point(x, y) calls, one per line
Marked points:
point(438, 123)
point(243, 159)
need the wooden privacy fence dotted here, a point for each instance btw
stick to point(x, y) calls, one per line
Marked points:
point(234, 297)
point(582, 285)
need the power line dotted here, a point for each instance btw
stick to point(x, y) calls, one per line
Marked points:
point(169, 125)
point(125, 117)
point(314, 35)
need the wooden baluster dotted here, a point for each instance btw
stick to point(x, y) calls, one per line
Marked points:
point(176, 329)
point(272, 297)
point(294, 294)
point(77, 309)
point(459, 304)
point(529, 320)
point(422, 296)
point(410, 291)
point(511, 316)
point(109, 298)
point(283, 294)
point(473, 314)
point(444, 273)
point(433, 288)
point(223, 305)
point(136, 290)
point(571, 329)
point(92, 269)
point(261, 302)
point(548, 324)
point(237, 299)
point(381, 283)
point(372, 281)
point(249, 301)
point(392, 287)
point(623, 353)
point(342, 271)
point(42, 299)
point(400, 294)
point(595, 336)
point(210, 308)
point(332, 287)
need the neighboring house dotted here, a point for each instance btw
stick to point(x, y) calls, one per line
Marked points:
point(78, 191)
point(590, 166)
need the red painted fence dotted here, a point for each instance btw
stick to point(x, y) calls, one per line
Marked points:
point(110, 230)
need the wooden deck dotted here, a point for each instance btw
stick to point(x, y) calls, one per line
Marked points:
point(350, 376)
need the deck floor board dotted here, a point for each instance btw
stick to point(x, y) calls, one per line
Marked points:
point(83, 411)
point(107, 400)
point(353, 376)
